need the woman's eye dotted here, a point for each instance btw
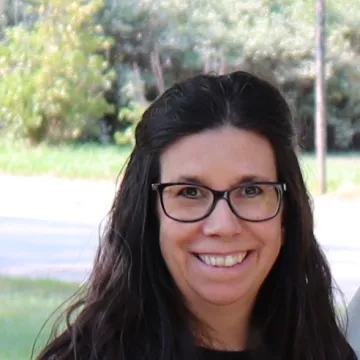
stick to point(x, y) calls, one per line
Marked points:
point(251, 191)
point(190, 192)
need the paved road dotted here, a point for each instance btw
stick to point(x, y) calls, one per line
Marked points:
point(44, 248)
point(49, 228)
point(337, 230)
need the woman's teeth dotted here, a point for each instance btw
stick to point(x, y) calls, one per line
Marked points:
point(223, 261)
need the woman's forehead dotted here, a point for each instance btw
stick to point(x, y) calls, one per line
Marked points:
point(226, 153)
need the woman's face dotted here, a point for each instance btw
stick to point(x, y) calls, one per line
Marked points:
point(201, 255)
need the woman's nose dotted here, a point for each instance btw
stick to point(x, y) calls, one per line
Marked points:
point(222, 221)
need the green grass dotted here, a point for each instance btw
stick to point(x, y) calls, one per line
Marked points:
point(71, 161)
point(105, 162)
point(25, 306)
point(342, 173)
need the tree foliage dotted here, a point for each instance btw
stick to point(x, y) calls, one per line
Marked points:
point(157, 42)
point(169, 40)
point(53, 80)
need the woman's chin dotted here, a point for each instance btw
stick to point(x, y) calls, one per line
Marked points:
point(223, 297)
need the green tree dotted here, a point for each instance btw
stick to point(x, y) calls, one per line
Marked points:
point(54, 75)
point(167, 41)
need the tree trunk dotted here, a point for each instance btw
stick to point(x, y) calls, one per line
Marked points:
point(3, 5)
point(320, 97)
point(222, 67)
point(139, 85)
point(157, 70)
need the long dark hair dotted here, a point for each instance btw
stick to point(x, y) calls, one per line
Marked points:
point(131, 308)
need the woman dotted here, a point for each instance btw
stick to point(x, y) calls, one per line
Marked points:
point(209, 251)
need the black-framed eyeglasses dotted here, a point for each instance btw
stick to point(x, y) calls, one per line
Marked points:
point(188, 202)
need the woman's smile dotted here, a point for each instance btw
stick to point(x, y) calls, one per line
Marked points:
point(229, 260)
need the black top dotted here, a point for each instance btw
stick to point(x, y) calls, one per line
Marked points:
point(211, 354)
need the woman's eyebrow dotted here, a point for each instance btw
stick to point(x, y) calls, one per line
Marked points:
point(239, 180)
point(190, 179)
point(254, 178)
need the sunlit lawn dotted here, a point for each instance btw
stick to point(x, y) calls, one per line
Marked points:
point(105, 161)
point(342, 173)
point(25, 306)
point(72, 161)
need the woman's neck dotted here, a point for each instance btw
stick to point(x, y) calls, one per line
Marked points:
point(223, 327)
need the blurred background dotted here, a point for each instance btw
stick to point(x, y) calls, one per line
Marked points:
point(75, 79)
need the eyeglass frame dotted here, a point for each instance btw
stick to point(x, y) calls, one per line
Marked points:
point(219, 195)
